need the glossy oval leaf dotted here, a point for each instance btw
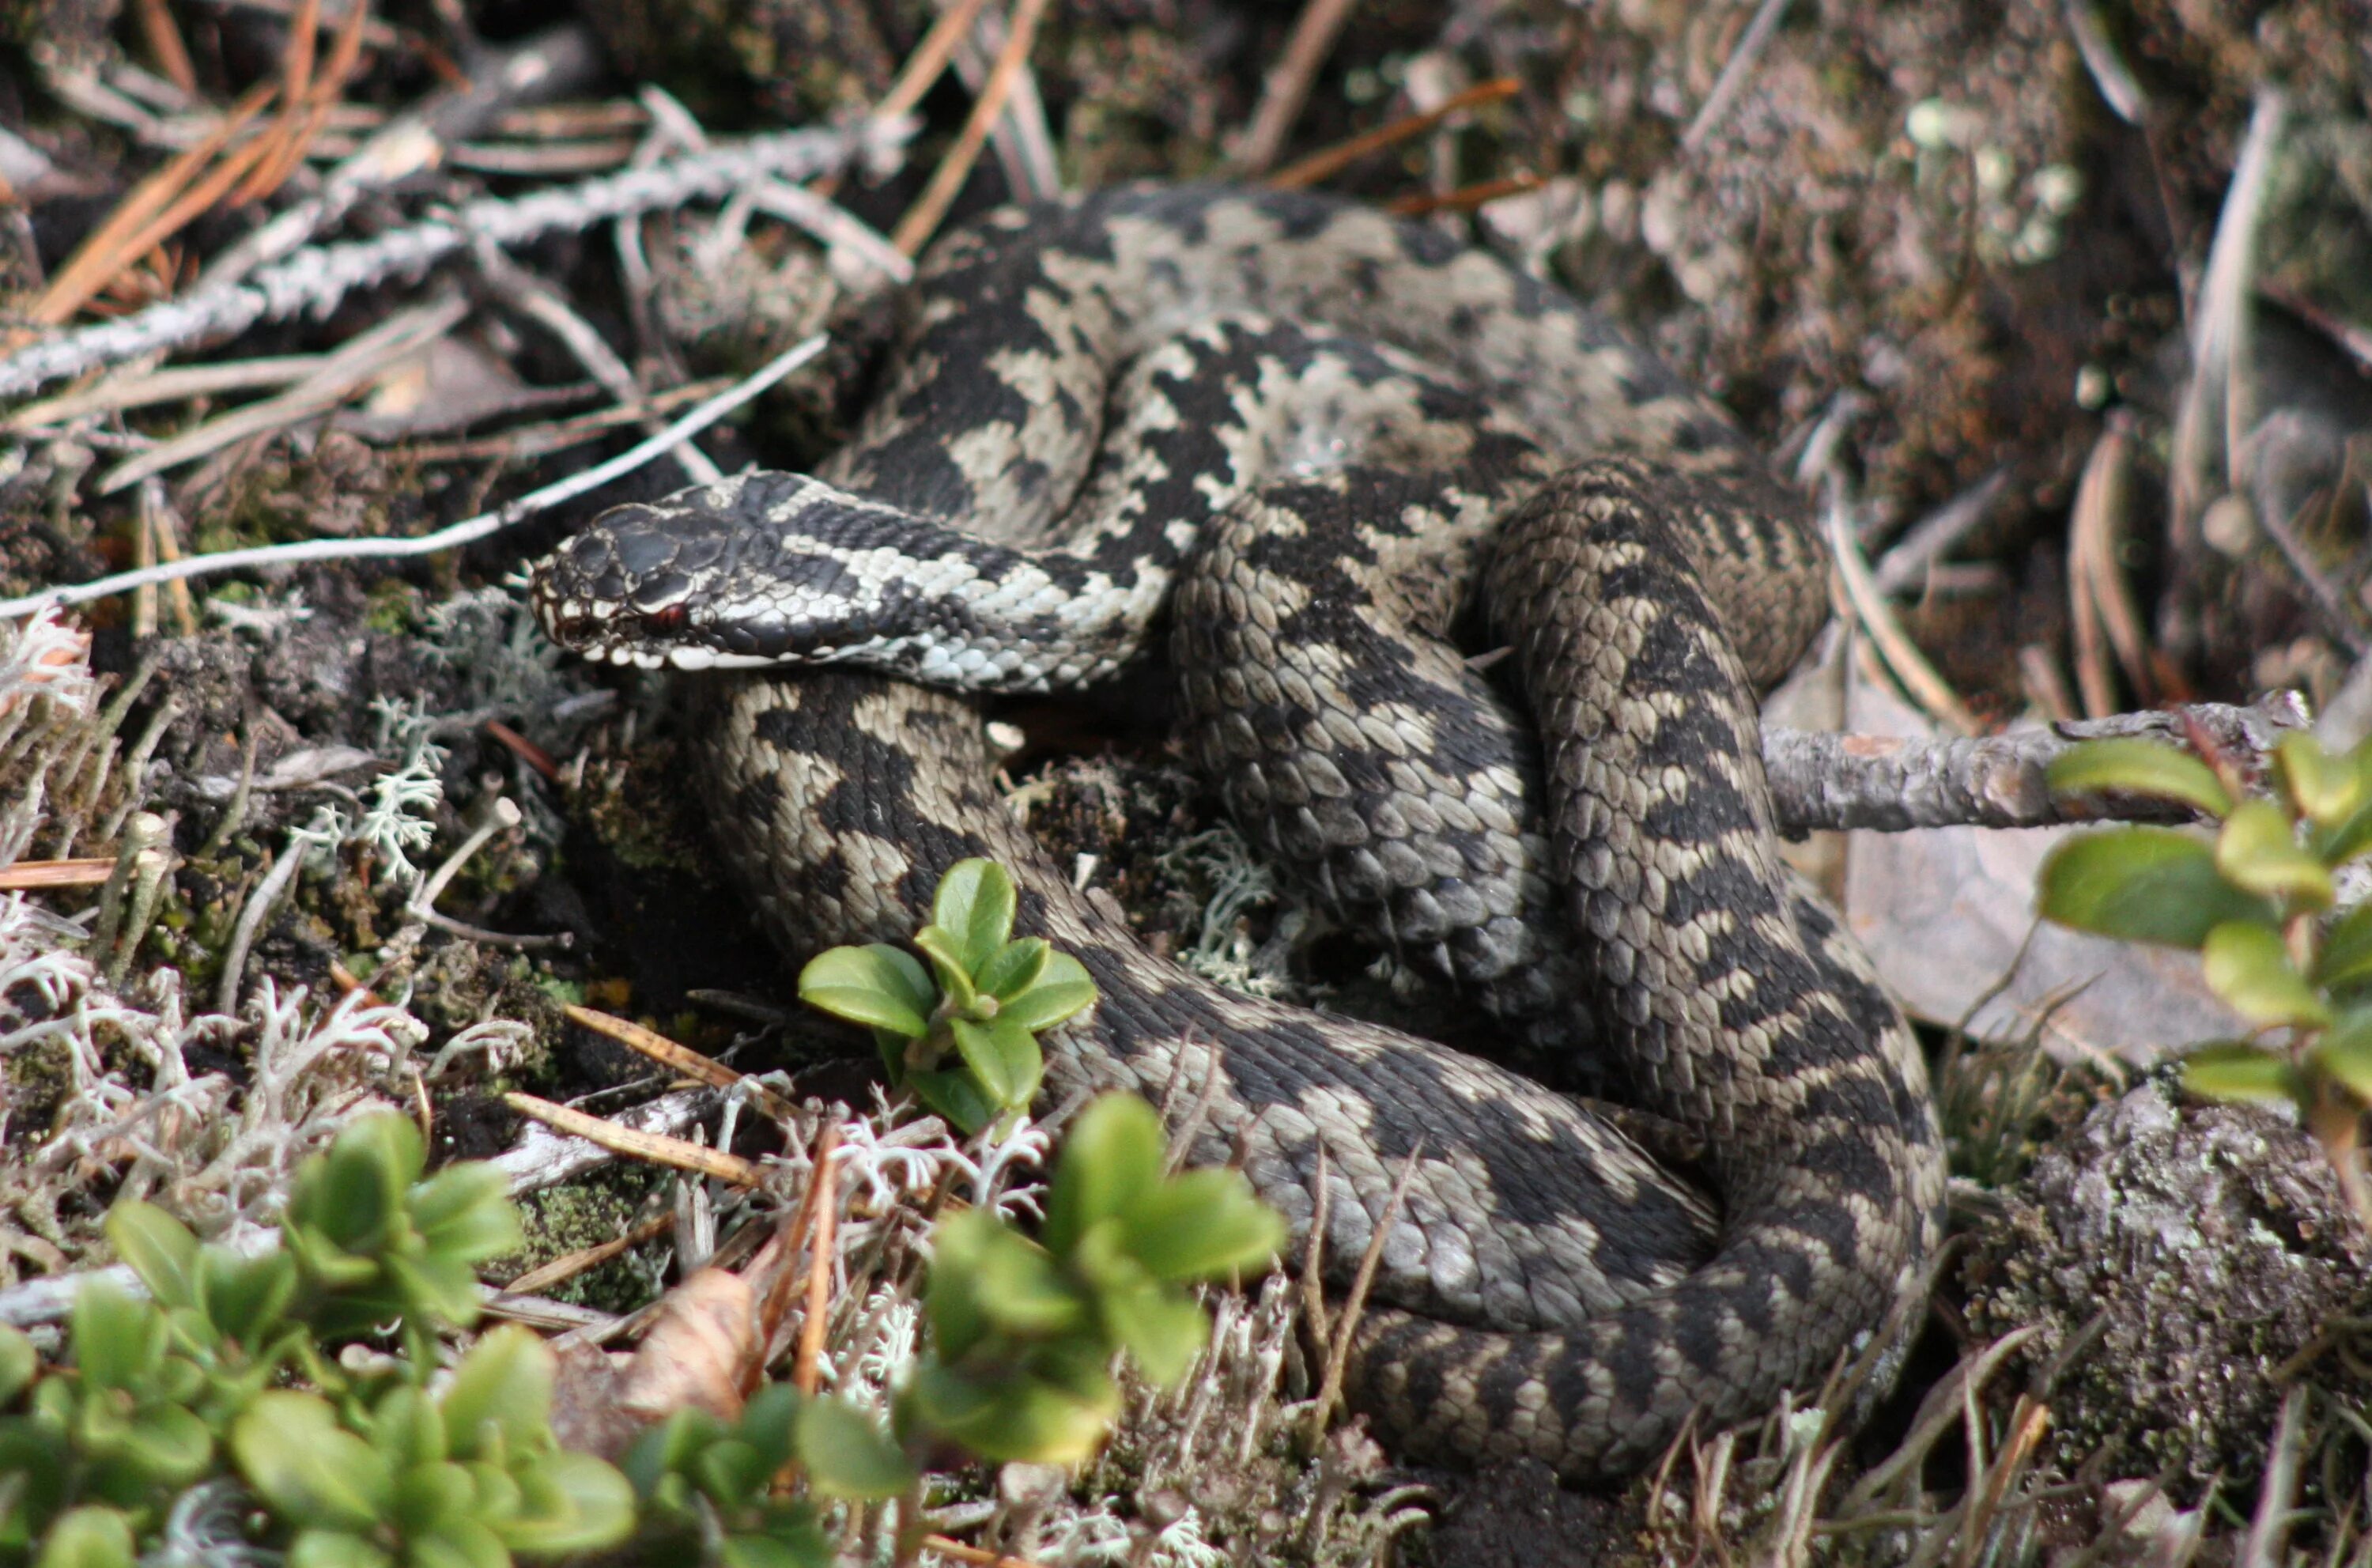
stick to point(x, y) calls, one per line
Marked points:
point(158, 1248)
point(464, 1212)
point(118, 1338)
point(293, 1453)
point(568, 1503)
point(848, 1455)
point(2345, 961)
point(2344, 1050)
point(956, 1097)
point(1062, 991)
point(18, 1361)
point(974, 905)
point(875, 984)
point(1112, 1159)
point(500, 1399)
point(1160, 1326)
point(2237, 1071)
point(89, 1536)
point(1003, 1057)
point(335, 1548)
point(2142, 885)
point(2250, 969)
point(944, 948)
point(2133, 766)
point(2259, 852)
point(245, 1298)
point(1203, 1225)
point(2326, 789)
point(169, 1443)
point(1009, 1419)
point(1014, 968)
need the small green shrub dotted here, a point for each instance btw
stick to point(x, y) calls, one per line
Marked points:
point(366, 1465)
point(968, 1047)
point(2256, 903)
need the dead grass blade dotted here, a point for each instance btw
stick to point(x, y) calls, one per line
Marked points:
point(654, 1148)
point(681, 1058)
point(921, 219)
point(1287, 87)
point(1325, 165)
point(152, 211)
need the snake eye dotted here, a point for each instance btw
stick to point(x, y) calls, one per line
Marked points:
point(669, 620)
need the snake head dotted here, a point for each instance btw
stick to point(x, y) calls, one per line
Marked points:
point(745, 572)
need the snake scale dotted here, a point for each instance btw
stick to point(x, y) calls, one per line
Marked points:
point(1320, 446)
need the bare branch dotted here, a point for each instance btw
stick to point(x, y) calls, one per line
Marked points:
point(1831, 782)
point(313, 281)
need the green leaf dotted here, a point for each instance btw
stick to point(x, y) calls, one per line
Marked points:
point(119, 1340)
point(1203, 1225)
point(160, 1248)
point(168, 1444)
point(2326, 789)
point(848, 1455)
point(1160, 1325)
point(500, 1400)
point(2344, 1050)
point(335, 1548)
point(444, 1290)
point(2237, 1071)
point(352, 1195)
point(794, 1542)
point(987, 1278)
point(1014, 968)
point(431, 1494)
point(18, 1362)
point(2258, 850)
point(245, 1298)
point(945, 949)
point(90, 1537)
point(408, 1429)
point(875, 984)
point(1112, 1161)
point(974, 905)
point(464, 1212)
point(1061, 990)
point(768, 1421)
point(2138, 767)
point(568, 1503)
point(461, 1543)
point(2346, 961)
point(2142, 885)
point(957, 1096)
point(2249, 967)
point(293, 1453)
point(1003, 1056)
point(1006, 1418)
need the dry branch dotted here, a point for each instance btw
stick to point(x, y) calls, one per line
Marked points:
point(312, 282)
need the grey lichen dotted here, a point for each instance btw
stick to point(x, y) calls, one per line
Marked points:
point(2177, 1259)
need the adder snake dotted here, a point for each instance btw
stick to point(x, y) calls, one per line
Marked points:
point(1319, 444)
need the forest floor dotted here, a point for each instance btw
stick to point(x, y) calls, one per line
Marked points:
point(2065, 308)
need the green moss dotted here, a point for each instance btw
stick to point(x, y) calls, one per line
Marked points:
point(601, 1207)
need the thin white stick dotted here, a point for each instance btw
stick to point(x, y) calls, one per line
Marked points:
point(468, 531)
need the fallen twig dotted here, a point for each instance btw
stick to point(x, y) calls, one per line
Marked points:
point(466, 531)
point(921, 219)
point(314, 281)
point(1287, 87)
point(1825, 783)
point(1321, 165)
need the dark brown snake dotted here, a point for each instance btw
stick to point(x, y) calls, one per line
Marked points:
point(1318, 443)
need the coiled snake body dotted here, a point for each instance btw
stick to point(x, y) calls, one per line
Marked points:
point(1317, 442)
